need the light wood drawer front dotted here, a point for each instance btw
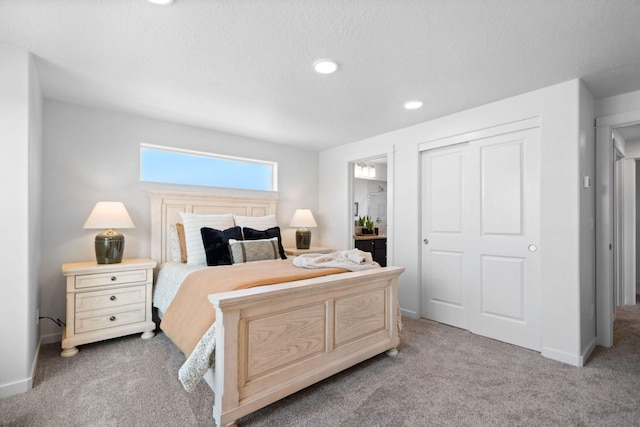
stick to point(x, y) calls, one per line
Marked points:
point(109, 317)
point(113, 278)
point(110, 298)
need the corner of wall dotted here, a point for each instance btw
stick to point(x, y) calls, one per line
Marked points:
point(587, 183)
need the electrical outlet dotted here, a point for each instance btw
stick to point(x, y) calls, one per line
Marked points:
point(38, 316)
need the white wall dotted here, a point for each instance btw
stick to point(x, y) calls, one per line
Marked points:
point(558, 109)
point(20, 177)
point(92, 155)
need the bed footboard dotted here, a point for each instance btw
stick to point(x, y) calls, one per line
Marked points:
point(272, 341)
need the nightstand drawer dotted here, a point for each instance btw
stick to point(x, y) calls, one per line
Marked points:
point(110, 298)
point(108, 318)
point(114, 278)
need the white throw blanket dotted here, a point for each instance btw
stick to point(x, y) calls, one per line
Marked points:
point(353, 260)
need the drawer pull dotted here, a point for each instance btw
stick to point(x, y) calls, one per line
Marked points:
point(112, 297)
point(114, 278)
point(112, 318)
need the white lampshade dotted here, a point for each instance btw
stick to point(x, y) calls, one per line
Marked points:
point(109, 215)
point(303, 218)
point(109, 243)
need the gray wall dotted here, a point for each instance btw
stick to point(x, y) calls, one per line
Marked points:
point(92, 155)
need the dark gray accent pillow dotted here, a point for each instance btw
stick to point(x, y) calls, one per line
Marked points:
point(216, 244)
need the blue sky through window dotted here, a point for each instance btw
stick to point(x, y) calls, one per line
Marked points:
point(191, 168)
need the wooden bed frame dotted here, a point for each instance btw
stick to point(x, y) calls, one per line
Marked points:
point(272, 341)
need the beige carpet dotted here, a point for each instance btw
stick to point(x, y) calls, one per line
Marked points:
point(443, 376)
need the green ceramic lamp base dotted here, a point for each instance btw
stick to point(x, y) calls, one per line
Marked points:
point(109, 247)
point(303, 238)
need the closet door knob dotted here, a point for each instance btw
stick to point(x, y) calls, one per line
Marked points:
point(425, 241)
point(112, 298)
point(114, 278)
point(112, 318)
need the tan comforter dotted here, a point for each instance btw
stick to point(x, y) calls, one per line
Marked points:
point(190, 314)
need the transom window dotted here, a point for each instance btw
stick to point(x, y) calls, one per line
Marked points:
point(176, 166)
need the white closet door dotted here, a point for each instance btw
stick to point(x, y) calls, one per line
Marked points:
point(505, 291)
point(481, 208)
point(444, 202)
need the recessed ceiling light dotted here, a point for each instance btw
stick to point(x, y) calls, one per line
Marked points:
point(412, 105)
point(325, 66)
point(162, 2)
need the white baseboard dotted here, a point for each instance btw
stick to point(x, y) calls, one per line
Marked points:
point(34, 365)
point(17, 387)
point(51, 338)
point(409, 313)
point(24, 385)
point(587, 352)
point(561, 356)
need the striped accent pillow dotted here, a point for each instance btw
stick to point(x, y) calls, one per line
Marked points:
point(193, 238)
point(257, 222)
point(253, 250)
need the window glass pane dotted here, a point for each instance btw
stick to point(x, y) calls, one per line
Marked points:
point(170, 166)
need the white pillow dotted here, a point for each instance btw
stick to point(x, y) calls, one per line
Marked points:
point(256, 222)
point(253, 250)
point(193, 238)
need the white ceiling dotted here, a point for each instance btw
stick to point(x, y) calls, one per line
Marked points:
point(245, 66)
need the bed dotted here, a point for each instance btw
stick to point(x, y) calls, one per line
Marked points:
point(276, 339)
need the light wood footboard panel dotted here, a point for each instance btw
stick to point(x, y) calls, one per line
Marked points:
point(272, 341)
point(277, 341)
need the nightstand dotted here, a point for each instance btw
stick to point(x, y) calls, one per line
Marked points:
point(107, 301)
point(311, 250)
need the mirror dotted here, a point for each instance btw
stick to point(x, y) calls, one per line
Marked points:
point(370, 194)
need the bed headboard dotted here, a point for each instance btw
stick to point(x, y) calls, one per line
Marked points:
point(167, 205)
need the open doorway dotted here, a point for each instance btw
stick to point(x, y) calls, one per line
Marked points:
point(626, 141)
point(371, 208)
point(617, 151)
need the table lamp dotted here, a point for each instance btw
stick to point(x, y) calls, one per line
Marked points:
point(303, 218)
point(109, 243)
